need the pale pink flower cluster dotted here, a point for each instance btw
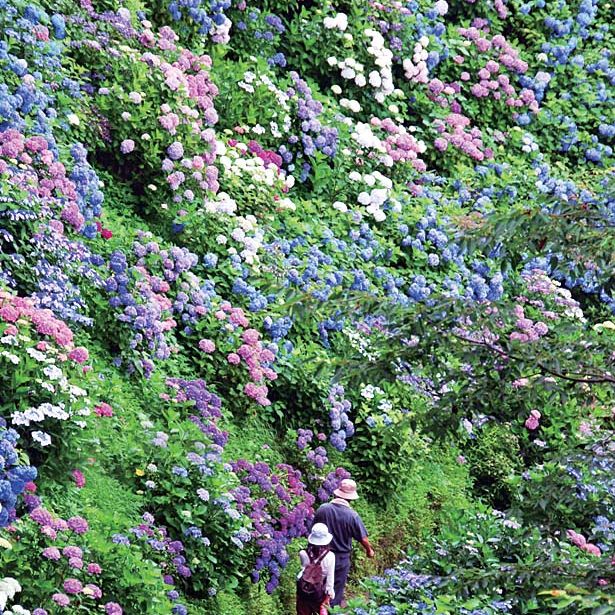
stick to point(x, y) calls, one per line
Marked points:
point(399, 145)
point(498, 45)
point(533, 421)
point(529, 331)
point(252, 353)
point(188, 77)
point(498, 86)
point(455, 131)
point(578, 540)
point(13, 309)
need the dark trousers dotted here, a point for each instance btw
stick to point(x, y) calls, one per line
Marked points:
point(342, 568)
point(305, 607)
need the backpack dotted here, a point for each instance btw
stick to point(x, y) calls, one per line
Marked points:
point(312, 582)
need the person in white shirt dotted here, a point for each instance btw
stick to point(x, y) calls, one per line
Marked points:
point(316, 580)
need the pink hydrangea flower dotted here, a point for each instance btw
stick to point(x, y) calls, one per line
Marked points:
point(79, 355)
point(93, 590)
point(233, 358)
point(250, 336)
point(103, 409)
point(79, 478)
point(52, 553)
point(61, 599)
point(72, 551)
point(78, 525)
point(207, 346)
point(127, 146)
point(72, 586)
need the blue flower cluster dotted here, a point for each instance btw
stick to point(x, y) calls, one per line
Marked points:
point(312, 135)
point(339, 410)
point(260, 32)
point(87, 185)
point(204, 14)
point(139, 308)
point(13, 475)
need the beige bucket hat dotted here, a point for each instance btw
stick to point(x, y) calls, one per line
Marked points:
point(347, 490)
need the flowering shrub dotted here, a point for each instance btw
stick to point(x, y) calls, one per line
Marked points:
point(209, 533)
point(240, 349)
point(73, 571)
point(451, 573)
point(279, 508)
point(41, 364)
point(333, 238)
point(14, 476)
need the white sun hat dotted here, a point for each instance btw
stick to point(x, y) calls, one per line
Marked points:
point(320, 535)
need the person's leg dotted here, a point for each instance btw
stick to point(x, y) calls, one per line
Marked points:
point(342, 567)
point(306, 607)
point(303, 607)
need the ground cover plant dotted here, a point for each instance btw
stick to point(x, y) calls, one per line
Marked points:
point(251, 248)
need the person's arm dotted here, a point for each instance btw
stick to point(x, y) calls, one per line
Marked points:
point(329, 569)
point(303, 558)
point(369, 550)
point(361, 536)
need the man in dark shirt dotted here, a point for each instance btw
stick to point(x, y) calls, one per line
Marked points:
point(345, 524)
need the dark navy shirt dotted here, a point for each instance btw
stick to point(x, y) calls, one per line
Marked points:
point(344, 523)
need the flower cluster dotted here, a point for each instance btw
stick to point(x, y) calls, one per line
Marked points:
point(579, 541)
point(13, 475)
point(339, 410)
point(77, 575)
point(243, 348)
point(279, 507)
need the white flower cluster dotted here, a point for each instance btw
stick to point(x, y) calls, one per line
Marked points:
point(40, 413)
point(250, 236)
point(339, 22)
point(350, 69)
point(379, 190)
point(351, 105)
point(370, 391)
point(382, 78)
point(222, 203)
point(360, 342)
point(416, 69)
point(250, 82)
point(8, 588)
point(235, 163)
point(529, 144)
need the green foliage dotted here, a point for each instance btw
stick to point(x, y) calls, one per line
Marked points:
point(492, 458)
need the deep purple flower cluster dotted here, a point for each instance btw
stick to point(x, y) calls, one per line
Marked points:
point(164, 549)
point(304, 437)
point(331, 483)
point(318, 457)
point(208, 406)
point(279, 507)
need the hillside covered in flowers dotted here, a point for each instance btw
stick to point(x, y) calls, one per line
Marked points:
point(249, 248)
